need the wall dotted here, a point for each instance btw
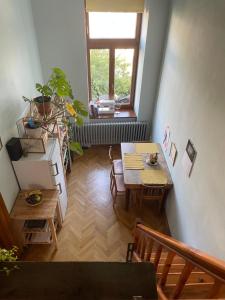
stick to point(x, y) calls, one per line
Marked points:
point(154, 29)
point(192, 102)
point(20, 69)
point(61, 39)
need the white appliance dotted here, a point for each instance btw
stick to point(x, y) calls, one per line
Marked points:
point(106, 103)
point(43, 171)
point(105, 111)
point(105, 107)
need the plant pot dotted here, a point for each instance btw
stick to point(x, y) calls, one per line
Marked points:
point(33, 132)
point(43, 104)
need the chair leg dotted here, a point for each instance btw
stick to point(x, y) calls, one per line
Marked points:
point(114, 195)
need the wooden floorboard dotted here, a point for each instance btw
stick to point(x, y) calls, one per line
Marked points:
point(91, 230)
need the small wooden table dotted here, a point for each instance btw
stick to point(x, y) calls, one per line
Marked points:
point(132, 178)
point(46, 210)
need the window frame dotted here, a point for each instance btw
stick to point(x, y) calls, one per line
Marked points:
point(112, 45)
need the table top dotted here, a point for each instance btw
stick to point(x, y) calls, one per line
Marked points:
point(45, 210)
point(132, 178)
point(79, 280)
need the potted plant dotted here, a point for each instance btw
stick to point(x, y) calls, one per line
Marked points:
point(6, 256)
point(43, 102)
point(62, 103)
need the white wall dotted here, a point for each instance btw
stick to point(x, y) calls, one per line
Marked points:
point(154, 30)
point(20, 69)
point(192, 102)
point(61, 39)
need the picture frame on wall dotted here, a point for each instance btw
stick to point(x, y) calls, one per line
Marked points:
point(191, 151)
point(166, 139)
point(173, 153)
point(189, 158)
point(1, 145)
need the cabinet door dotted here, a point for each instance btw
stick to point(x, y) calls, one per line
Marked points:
point(58, 174)
point(33, 174)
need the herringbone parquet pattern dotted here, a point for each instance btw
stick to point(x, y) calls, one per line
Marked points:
point(91, 230)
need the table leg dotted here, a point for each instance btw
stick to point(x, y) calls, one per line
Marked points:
point(53, 231)
point(59, 216)
point(127, 199)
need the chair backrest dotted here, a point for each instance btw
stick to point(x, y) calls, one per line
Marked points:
point(110, 154)
point(150, 192)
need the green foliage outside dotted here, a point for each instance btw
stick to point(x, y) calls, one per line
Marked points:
point(99, 61)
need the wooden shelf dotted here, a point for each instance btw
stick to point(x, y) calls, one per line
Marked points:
point(38, 238)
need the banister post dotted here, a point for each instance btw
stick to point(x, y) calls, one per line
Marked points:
point(157, 256)
point(130, 250)
point(166, 268)
point(182, 280)
point(213, 293)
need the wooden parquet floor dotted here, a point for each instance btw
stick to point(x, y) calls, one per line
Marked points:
point(91, 230)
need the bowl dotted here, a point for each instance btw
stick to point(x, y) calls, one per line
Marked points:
point(34, 198)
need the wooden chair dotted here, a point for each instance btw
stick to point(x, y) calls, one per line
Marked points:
point(152, 193)
point(117, 186)
point(117, 163)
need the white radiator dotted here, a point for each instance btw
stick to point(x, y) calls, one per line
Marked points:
point(108, 133)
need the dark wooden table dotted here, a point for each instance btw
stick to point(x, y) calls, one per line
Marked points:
point(132, 178)
point(79, 280)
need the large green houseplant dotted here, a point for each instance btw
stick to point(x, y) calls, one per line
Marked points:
point(58, 93)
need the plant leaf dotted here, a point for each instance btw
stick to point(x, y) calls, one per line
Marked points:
point(76, 147)
point(80, 108)
point(79, 120)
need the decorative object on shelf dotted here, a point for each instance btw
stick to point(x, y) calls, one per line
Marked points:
point(173, 153)
point(34, 145)
point(34, 198)
point(8, 255)
point(189, 158)
point(33, 128)
point(57, 103)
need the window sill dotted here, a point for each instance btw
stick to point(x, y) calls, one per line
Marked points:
point(122, 113)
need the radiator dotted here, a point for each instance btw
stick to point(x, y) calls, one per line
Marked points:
point(107, 133)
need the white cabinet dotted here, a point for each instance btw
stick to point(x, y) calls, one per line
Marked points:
point(43, 171)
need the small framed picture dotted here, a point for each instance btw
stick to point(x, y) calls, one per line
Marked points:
point(189, 158)
point(166, 139)
point(173, 153)
point(1, 144)
point(191, 151)
point(32, 145)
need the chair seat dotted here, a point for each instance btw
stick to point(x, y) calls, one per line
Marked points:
point(120, 183)
point(118, 166)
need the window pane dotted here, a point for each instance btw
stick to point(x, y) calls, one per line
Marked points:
point(99, 66)
point(112, 25)
point(123, 74)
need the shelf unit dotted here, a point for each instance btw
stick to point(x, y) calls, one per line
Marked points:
point(40, 223)
point(38, 235)
point(56, 129)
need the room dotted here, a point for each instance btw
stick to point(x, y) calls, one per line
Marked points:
point(177, 92)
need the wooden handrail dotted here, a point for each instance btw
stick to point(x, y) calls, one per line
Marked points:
point(209, 264)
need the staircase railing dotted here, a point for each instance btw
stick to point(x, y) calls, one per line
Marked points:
point(181, 270)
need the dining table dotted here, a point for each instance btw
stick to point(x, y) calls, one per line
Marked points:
point(133, 179)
